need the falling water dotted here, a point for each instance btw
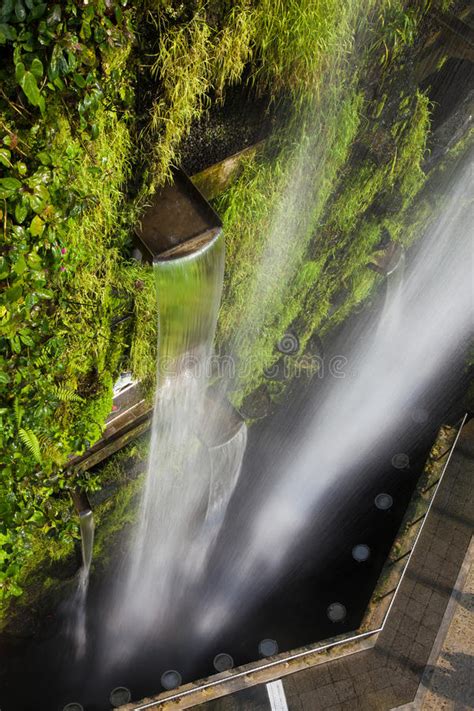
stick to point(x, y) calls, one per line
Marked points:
point(394, 284)
point(77, 621)
point(188, 484)
point(320, 136)
point(226, 463)
point(427, 317)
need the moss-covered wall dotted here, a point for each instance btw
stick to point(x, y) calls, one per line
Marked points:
point(96, 102)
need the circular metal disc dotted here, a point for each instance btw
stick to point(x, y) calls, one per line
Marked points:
point(170, 679)
point(223, 662)
point(336, 612)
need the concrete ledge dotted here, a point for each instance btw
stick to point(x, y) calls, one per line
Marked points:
point(256, 673)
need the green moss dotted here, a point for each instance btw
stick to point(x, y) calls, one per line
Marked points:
point(349, 214)
point(80, 151)
point(283, 47)
point(264, 202)
point(431, 199)
point(122, 477)
point(45, 548)
point(138, 280)
point(113, 519)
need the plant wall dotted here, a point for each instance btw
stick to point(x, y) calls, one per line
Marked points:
point(96, 99)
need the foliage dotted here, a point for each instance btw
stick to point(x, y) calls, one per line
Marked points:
point(96, 99)
point(64, 111)
point(123, 473)
point(360, 201)
point(139, 279)
point(280, 46)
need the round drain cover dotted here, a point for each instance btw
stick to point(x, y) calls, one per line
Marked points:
point(401, 461)
point(73, 707)
point(268, 648)
point(361, 552)
point(120, 695)
point(223, 662)
point(336, 612)
point(170, 679)
point(383, 502)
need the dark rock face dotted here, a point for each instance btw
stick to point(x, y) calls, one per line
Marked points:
point(228, 128)
point(453, 111)
point(259, 404)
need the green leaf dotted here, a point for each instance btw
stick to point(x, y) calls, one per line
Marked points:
point(79, 80)
point(7, 33)
point(16, 345)
point(36, 226)
point(37, 204)
point(13, 293)
point(20, 11)
point(54, 16)
point(38, 11)
point(19, 71)
point(34, 261)
point(14, 589)
point(30, 440)
point(4, 269)
point(37, 67)
point(18, 411)
point(26, 339)
point(19, 266)
point(6, 9)
point(8, 186)
point(5, 156)
point(65, 394)
point(44, 293)
point(30, 87)
point(38, 517)
point(21, 211)
point(44, 158)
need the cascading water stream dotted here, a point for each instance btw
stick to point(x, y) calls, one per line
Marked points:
point(226, 463)
point(163, 577)
point(426, 319)
point(171, 548)
point(77, 623)
point(394, 284)
point(183, 489)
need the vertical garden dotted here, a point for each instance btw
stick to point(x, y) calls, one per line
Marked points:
point(98, 101)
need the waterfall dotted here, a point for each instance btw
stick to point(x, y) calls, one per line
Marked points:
point(425, 324)
point(77, 622)
point(390, 317)
point(187, 483)
point(86, 524)
point(226, 463)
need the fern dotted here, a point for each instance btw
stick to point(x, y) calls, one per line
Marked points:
point(50, 450)
point(42, 360)
point(30, 440)
point(64, 394)
point(19, 411)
